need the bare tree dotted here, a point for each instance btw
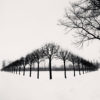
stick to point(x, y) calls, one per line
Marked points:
point(72, 58)
point(78, 60)
point(30, 58)
point(63, 55)
point(51, 50)
point(19, 66)
point(84, 19)
point(38, 55)
point(23, 63)
point(93, 6)
point(82, 64)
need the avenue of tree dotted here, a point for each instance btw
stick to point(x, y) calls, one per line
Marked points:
point(50, 51)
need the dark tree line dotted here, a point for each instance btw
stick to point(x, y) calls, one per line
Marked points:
point(50, 51)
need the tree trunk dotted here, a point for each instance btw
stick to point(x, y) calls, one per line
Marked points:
point(74, 69)
point(50, 70)
point(87, 69)
point(23, 70)
point(38, 70)
point(12, 70)
point(64, 69)
point(19, 70)
point(16, 69)
point(30, 70)
point(79, 68)
point(83, 68)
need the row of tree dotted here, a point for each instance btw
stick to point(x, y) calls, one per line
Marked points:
point(50, 51)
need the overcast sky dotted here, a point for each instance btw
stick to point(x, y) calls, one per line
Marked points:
point(28, 24)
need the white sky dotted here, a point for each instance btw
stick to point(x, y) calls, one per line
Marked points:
point(28, 24)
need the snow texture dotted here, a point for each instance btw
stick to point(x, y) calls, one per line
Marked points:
point(19, 87)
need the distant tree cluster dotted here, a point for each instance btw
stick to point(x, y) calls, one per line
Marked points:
point(49, 51)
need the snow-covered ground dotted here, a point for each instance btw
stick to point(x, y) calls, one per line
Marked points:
point(83, 87)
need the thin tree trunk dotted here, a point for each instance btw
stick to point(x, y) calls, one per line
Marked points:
point(79, 68)
point(30, 70)
point(87, 69)
point(38, 70)
point(12, 70)
point(74, 69)
point(83, 68)
point(50, 70)
point(16, 69)
point(19, 70)
point(64, 69)
point(23, 70)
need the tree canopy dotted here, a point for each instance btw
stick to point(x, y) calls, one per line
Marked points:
point(84, 18)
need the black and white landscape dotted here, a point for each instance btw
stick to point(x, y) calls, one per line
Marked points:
point(50, 50)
